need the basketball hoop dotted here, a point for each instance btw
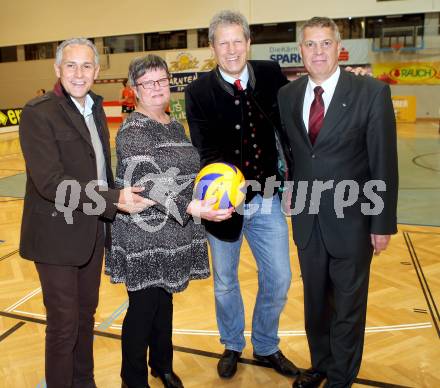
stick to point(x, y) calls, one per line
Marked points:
point(396, 47)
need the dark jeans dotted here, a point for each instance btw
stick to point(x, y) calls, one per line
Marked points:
point(147, 324)
point(70, 296)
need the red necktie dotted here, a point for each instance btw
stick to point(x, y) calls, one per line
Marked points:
point(237, 84)
point(316, 116)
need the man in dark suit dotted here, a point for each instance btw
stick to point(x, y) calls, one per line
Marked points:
point(342, 139)
point(68, 202)
point(233, 114)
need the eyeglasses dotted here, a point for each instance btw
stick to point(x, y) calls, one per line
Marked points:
point(150, 84)
point(324, 44)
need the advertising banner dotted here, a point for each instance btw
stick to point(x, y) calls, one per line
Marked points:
point(179, 81)
point(190, 61)
point(177, 109)
point(185, 66)
point(9, 119)
point(405, 108)
point(408, 73)
point(354, 52)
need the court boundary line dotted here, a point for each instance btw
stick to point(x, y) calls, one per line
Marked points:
point(11, 176)
point(430, 301)
point(419, 188)
point(411, 250)
point(282, 333)
point(9, 255)
point(108, 322)
point(420, 232)
point(13, 199)
point(427, 225)
point(415, 162)
point(11, 169)
point(12, 330)
point(23, 299)
point(205, 353)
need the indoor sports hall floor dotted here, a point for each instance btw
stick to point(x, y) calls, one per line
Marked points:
point(403, 323)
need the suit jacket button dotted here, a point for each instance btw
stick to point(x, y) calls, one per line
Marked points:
point(313, 156)
point(237, 102)
point(54, 214)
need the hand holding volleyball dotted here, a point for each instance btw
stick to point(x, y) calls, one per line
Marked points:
point(222, 181)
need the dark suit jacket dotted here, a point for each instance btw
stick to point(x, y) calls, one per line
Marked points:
point(213, 115)
point(56, 146)
point(357, 142)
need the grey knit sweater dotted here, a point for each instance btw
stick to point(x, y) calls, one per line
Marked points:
point(161, 246)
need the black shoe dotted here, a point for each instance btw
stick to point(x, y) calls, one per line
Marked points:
point(169, 380)
point(310, 378)
point(227, 366)
point(123, 385)
point(280, 363)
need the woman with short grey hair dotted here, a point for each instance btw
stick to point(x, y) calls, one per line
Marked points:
point(158, 251)
point(141, 65)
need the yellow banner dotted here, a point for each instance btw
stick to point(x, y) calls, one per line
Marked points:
point(408, 73)
point(405, 108)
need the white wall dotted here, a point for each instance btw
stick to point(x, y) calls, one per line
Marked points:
point(286, 10)
point(20, 80)
point(428, 98)
point(29, 21)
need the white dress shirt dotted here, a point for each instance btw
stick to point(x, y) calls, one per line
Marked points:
point(86, 111)
point(244, 77)
point(329, 86)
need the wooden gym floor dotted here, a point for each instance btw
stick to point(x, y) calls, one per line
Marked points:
point(403, 323)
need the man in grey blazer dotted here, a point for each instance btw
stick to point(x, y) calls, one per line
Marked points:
point(69, 200)
point(342, 140)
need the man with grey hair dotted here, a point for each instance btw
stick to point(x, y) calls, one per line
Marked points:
point(233, 116)
point(342, 131)
point(68, 204)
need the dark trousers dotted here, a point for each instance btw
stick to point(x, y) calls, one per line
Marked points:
point(70, 295)
point(147, 324)
point(335, 306)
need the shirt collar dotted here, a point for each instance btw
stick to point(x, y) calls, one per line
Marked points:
point(329, 85)
point(244, 77)
point(88, 104)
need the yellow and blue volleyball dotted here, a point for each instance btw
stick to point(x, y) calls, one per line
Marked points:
point(222, 181)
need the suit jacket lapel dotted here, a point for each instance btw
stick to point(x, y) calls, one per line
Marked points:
point(297, 109)
point(104, 134)
point(72, 112)
point(77, 120)
point(338, 107)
